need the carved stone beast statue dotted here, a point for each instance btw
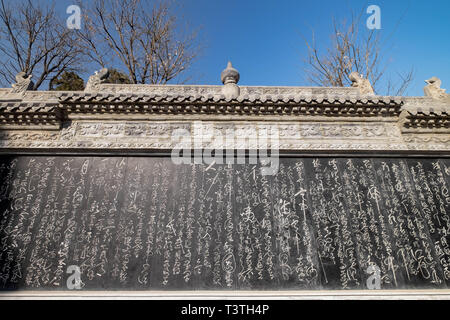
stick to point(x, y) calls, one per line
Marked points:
point(433, 89)
point(96, 79)
point(23, 83)
point(361, 83)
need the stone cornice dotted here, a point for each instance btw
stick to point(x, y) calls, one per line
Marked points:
point(30, 115)
point(425, 115)
point(202, 100)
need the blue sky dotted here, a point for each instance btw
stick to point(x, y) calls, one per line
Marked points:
point(262, 38)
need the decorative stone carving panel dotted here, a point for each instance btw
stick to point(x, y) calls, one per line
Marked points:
point(289, 136)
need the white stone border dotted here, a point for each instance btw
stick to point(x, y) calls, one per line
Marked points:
point(230, 295)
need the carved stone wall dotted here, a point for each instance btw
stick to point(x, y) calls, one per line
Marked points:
point(145, 117)
point(385, 203)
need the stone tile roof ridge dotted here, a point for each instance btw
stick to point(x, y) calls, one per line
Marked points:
point(209, 97)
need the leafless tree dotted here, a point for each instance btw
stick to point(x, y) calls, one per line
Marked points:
point(35, 41)
point(138, 36)
point(353, 49)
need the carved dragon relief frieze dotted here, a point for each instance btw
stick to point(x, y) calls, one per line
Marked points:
point(291, 130)
point(160, 135)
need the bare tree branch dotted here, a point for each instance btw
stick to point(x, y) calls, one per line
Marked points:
point(352, 49)
point(143, 36)
point(35, 41)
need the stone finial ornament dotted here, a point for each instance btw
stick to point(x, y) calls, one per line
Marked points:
point(433, 89)
point(96, 79)
point(230, 78)
point(358, 81)
point(229, 75)
point(23, 83)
